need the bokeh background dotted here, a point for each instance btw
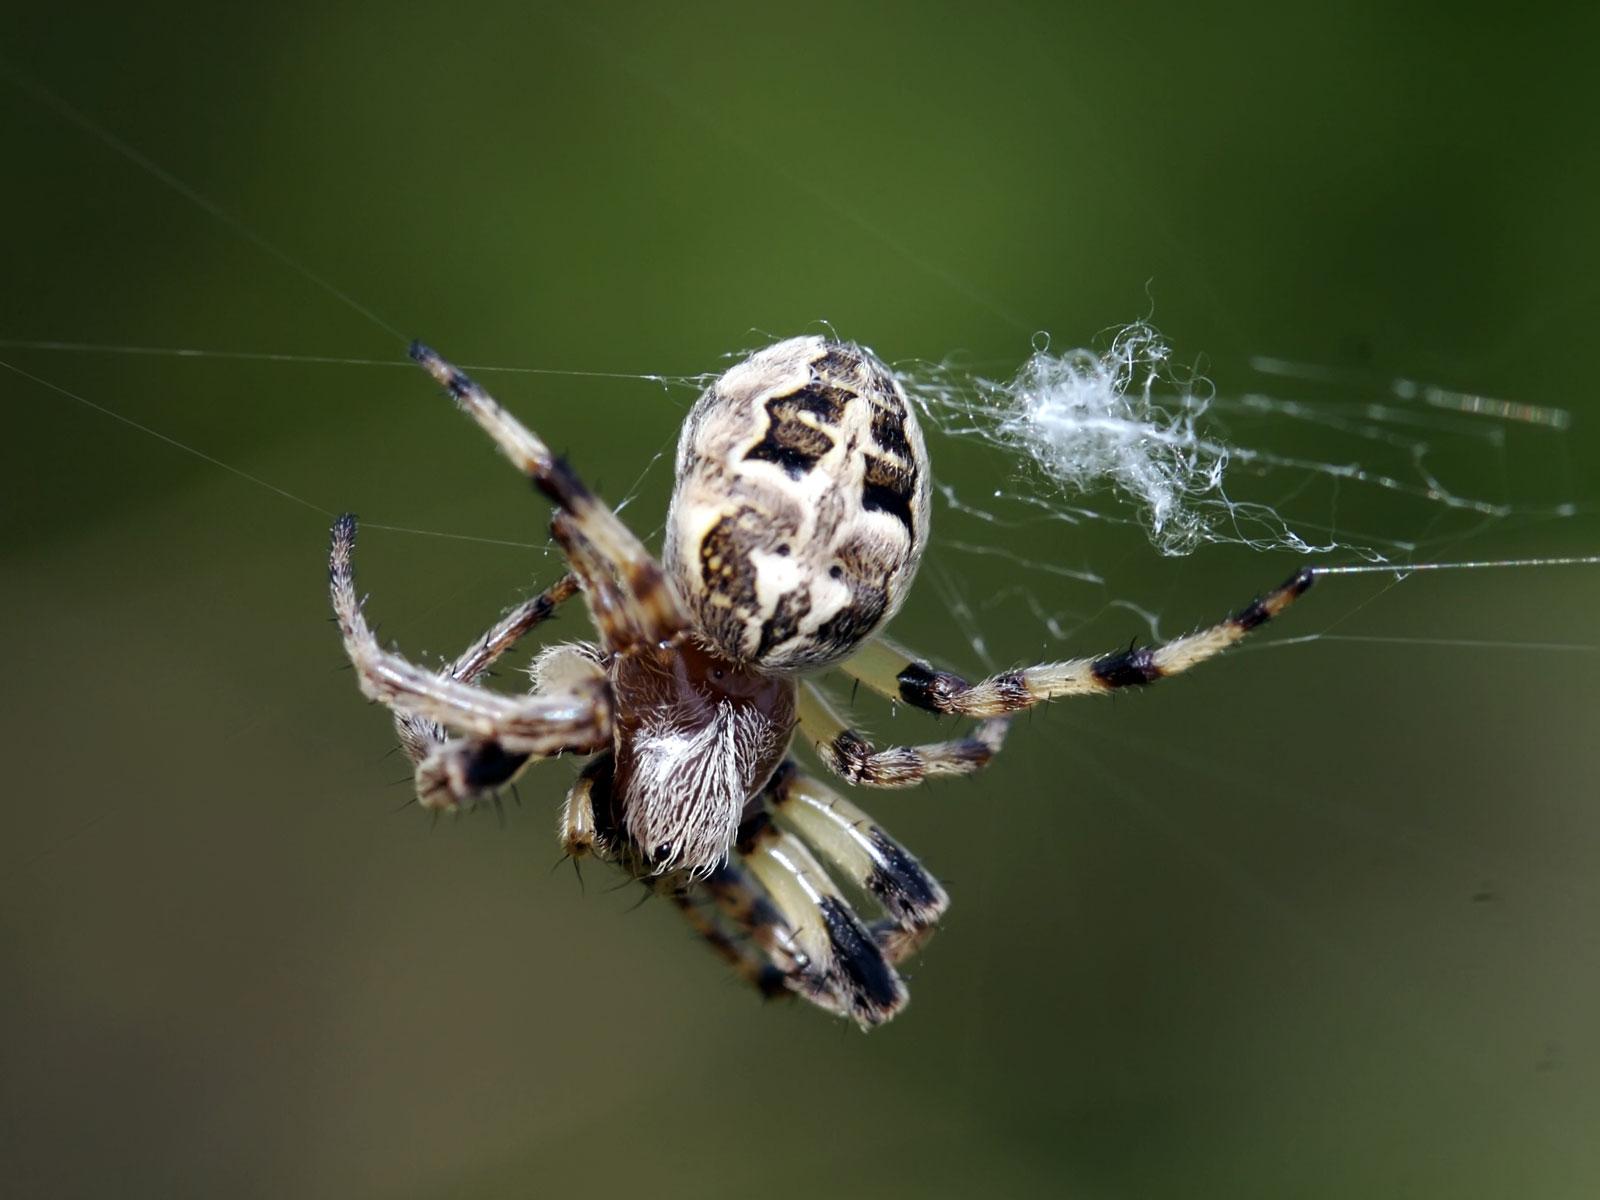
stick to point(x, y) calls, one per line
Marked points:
point(1319, 921)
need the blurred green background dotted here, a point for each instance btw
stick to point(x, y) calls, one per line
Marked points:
point(1319, 921)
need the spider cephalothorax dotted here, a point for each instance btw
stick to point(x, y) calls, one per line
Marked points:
point(798, 519)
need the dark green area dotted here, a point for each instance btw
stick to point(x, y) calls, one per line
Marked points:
point(1318, 922)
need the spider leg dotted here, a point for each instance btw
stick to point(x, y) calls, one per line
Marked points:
point(615, 614)
point(829, 958)
point(505, 632)
point(581, 834)
point(418, 736)
point(501, 731)
point(893, 673)
point(847, 971)
point(750, 935)
point(850, 756)
point(749, 964)
point(616, 564)
point(775, 917)
point(861, 851)
point(747, 905)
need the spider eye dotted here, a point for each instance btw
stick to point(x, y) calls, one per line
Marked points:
point(836, 571)
point(783, 550)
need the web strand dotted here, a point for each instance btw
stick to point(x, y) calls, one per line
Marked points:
point(74, 116)
point(171, 441)
point(1403, 569)
point(54, 345)
point(1371, 422)
point(246, 475)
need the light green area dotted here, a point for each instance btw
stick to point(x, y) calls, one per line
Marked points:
point(1318, 922)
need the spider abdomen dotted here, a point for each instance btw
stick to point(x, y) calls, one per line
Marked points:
point(800, 511)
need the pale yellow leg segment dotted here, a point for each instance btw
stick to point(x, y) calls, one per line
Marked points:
point(855, 977)
point(891, 672)
point(580, 834)
point(741, 899)
point(864, 853)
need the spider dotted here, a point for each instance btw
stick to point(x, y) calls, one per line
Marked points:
point(799, 515)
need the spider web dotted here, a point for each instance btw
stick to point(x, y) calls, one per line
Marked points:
point(1358, 471)
point(1103, 447)
point(1333, 462)
point(1112, 457)
point(1119, 434)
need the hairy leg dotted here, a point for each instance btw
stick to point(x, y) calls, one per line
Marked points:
point(578, 719)
point(856, 978)
point(418, 736)
point(860, 850)
point(892, 672)
point(850, 756)
point(614, 562)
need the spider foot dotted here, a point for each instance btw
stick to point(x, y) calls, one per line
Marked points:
point(459, 775)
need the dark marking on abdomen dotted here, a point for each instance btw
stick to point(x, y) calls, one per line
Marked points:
point(889, 488)
point(869, 600)
point(724, 564)
point(889, 431)
point(784, 623)
point(794, 444)
point(827, 404)
point(854, 622)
